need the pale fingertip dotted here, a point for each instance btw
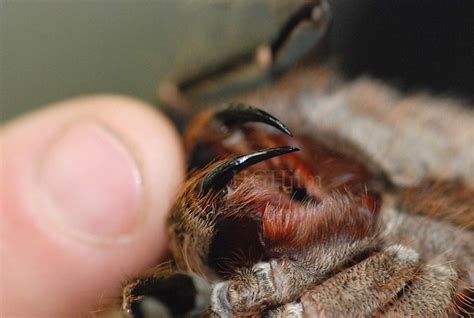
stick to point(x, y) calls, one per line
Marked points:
point(86, 187)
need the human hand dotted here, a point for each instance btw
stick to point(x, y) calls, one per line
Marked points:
point(85, 189)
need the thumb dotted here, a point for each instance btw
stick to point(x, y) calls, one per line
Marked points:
point(85, 188)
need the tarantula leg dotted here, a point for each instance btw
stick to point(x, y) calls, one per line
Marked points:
point(292, 310)
point(365, 287)
point(219, 177)
point(429, 294)
point(177, 295)
point(238, 113)
point(284, 280)
point(299, 36)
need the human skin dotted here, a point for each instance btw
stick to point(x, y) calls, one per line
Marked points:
point(85, 188)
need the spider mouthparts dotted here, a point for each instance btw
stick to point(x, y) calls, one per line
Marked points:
point(241, 113)
point(219, 177)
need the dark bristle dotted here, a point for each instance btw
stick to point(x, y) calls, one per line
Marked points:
point(300, 194)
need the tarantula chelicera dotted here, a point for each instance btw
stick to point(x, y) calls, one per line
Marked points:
point(275, 225)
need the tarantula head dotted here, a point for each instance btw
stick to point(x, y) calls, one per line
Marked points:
point(262, 204)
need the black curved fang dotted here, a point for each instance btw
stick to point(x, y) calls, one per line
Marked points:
point(241, 113)
point(218, 178)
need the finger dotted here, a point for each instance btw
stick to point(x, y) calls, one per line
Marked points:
point(86, 185)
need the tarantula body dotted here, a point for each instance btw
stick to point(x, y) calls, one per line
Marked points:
point(365, 208)
point(271, 224)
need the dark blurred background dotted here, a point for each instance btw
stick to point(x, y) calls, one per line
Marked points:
point(414, 44)
point(56, 49)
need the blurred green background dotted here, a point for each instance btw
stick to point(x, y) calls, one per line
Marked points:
point(55, 49)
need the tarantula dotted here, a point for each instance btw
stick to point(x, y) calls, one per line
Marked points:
point(367, 210)
point(275, 225)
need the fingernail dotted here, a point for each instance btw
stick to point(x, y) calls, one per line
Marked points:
point(91, 182)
